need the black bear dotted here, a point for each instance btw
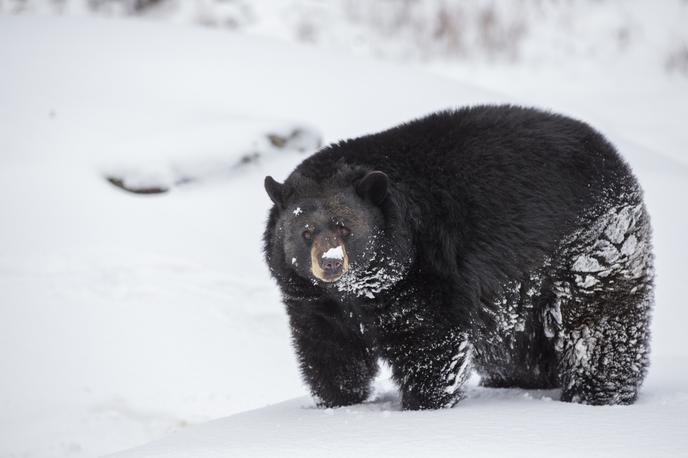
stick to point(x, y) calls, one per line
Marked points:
point(501, 239)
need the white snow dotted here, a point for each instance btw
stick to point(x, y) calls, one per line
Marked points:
point(334, 253)
point(365, 283)
point(461, 375)
point(125, 318)
point(586, 263)
point(487, 423)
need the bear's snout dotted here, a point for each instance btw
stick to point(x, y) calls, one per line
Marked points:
point(329, 260)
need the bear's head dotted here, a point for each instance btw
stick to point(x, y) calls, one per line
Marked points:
point(335, 232)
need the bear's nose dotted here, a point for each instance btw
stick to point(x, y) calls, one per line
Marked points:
point(330, 265)
point(332, 261)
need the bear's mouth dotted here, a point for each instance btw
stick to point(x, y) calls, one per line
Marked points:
point(331, 279)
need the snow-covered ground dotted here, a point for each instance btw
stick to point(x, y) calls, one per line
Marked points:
point(126, 317)
point(489, 423)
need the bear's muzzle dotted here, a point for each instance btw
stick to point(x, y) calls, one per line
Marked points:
point(329, 260)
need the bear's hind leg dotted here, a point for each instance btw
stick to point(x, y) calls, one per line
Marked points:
point(603, 364)
point(601, 313)
point(603, 351)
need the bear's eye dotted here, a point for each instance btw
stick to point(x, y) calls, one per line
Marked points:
point(344, 231)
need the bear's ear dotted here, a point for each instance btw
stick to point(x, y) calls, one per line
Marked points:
point(275, 190)
point(373, 186)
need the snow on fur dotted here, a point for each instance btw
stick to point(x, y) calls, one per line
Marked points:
point(334, 253)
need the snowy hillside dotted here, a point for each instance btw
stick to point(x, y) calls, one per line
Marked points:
point(126, 317)
point(532, 32)
point(514, 423)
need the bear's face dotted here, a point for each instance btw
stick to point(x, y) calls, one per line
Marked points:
point(328, 235)
point(325, 236)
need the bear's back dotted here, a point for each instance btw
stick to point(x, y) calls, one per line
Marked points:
point(491, 156)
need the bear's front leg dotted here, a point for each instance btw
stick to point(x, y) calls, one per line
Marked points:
point(336, 363)
point(431, 366)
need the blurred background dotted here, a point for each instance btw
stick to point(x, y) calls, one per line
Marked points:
point(432, 31)
point(134, 138)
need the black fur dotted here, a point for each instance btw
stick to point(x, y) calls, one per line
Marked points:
point(505, 239)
